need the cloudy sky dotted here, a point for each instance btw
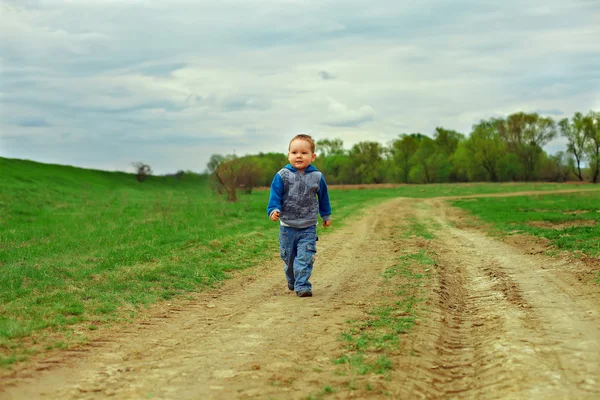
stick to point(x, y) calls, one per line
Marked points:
point(103, 83)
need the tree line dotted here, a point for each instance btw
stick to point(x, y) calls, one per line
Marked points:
point(496, 150)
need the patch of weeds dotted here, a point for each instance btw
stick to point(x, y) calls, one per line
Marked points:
point(6, 362)
point(551, 252)
point(384, 364)
point(418, 229)
point(354, 362)
point(328, 389)
point(347, 337)
point(369, 340)
point(405, 263)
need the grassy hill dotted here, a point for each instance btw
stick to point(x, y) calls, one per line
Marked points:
point(77, 244)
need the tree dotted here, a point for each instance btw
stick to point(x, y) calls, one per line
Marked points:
point(509, 168)
point(425, 161)
point(227, 174)
point(265, 166)
point(333, 147)
point(447, 140)
point(525, 135)
point(232, 173)
point(576, 135)
point(368, 162)
point(337, 168)
point(557, 167)
point(213, 162)
point(591, 124)
point(248, 175)
point(403, 150)
point(142, 170)
point(486, 148)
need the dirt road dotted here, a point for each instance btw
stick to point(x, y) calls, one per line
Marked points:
point(500, 321)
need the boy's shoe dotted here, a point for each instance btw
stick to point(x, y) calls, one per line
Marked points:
point(304, 293)
point(291, 286)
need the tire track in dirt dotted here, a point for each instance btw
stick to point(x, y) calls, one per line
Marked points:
point(504, 324)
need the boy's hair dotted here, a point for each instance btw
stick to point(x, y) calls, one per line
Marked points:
point(305, 138)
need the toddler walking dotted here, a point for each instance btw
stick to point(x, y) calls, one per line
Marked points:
point(298, 196)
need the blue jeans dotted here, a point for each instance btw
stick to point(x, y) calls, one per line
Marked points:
point(298, 247)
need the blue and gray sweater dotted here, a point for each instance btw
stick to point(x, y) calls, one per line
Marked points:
point(295, 194)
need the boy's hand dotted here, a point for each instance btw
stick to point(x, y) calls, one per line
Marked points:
point(327, 223)
point(275, 216)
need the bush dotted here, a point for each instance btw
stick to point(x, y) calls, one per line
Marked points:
point(142, 171)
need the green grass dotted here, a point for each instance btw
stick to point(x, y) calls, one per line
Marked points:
point(82, 246)
point(368, 341)
point(351, 202)
point(92, 247)
point(418, 229)
point(569, 221)
point(371, 342)
point(462, 189)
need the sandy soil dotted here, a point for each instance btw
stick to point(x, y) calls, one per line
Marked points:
point(503, 321)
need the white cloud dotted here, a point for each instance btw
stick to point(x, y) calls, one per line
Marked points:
point(120, 79)
point(341, 115)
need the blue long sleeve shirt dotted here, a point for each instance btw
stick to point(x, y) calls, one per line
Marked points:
point(299, 197)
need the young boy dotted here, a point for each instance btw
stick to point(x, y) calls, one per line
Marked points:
point(298, 195)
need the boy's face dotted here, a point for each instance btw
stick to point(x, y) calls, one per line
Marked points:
point(300, 154)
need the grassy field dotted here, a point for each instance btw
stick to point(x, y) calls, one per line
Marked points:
point(569, 221)
point(88, 246)
point(91, 247)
